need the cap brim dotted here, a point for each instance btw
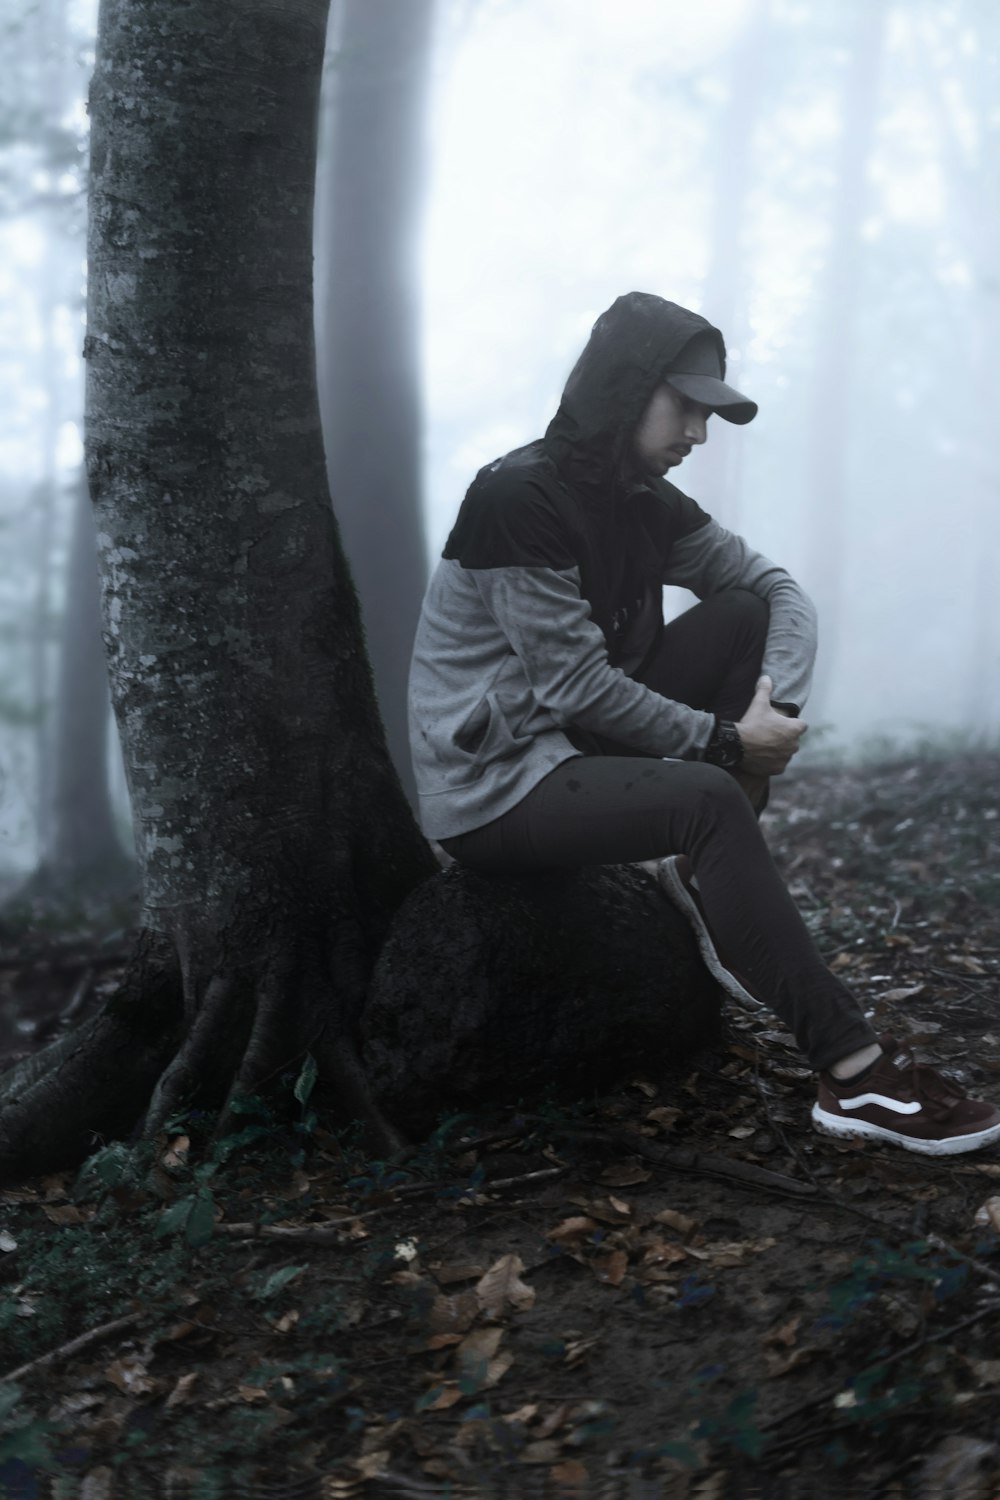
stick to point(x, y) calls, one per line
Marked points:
point(730, 404)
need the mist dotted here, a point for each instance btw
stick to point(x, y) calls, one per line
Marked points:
point(819, 179)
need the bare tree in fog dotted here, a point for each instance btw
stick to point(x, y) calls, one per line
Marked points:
point(82, 844)
point(368, 328)
point(973, 178)
point(727, 281)
point(839, 295)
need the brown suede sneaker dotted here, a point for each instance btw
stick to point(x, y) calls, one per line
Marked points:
point(906, 1102)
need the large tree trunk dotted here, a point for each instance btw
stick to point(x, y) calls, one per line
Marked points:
point(273, 837)
point(369, 197)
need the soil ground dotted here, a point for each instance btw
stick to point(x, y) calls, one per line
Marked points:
point(674, 1290)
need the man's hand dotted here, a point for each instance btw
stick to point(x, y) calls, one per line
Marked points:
point(770, 738)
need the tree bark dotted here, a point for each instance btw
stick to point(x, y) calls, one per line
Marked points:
point(273, 838)
point(369, 197)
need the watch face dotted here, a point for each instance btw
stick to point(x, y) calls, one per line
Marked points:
point(725, 749)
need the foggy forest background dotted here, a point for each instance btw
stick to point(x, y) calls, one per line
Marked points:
point(818, 177)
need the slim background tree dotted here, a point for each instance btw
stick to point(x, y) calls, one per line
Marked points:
point(371, 189)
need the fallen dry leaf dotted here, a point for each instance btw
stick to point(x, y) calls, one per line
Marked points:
point(99, 1484)
point(477, 1349)
point(7, 1241)
point(989, 1214)
point(460, 1271)
point(664, 1253)
point(625, 1174)
point(555, 1419)
point(674, 1220)
point(577, 1350)
point(783, 1364)
point(522, 1415)
point(443, 1341)
point(543, 1451)
point(986, 1371)
point(453, 1314)
point(967, 963)
point(783, 1333)
point(65, 1213)
point(569, 1477)
point(904, 992)
point(610, 1268)
point(176, 1154)
point(502, 1288)
point(371, 1465)
point(449, 1395)
point(567, 1231)
point(665, 1116)
point(181, 1392)
point(130, 1375)
point(251, 1393)
point(603, 1209)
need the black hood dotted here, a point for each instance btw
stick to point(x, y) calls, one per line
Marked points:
point(611, 383)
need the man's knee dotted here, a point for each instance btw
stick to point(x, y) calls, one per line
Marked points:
point(715, 788)
point(743, 608)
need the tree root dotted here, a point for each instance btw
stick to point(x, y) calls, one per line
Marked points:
point(184, 1031)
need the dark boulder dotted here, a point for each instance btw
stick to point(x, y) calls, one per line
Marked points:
point(499, 989)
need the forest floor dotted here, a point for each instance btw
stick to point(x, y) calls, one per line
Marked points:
point(674, 1290)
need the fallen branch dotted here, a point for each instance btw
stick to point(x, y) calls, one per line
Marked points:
point(686, 1159)
point(987, 1272)
point(831, 1392)
point(75, 1346)
point(329, 1234)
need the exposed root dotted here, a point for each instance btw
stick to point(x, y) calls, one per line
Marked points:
point(24, 1074)
point(183, 1031)
point(210, 1033)
point(98, 1087)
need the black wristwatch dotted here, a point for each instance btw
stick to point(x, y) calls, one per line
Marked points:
point(725, 748)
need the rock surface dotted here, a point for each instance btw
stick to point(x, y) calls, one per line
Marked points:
point(497, 989)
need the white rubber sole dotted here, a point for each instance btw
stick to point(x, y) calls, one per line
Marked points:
point(836, 1125)
point(674, 887)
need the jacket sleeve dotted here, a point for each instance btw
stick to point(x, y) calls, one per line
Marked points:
point(564, 656)
point(712, 559)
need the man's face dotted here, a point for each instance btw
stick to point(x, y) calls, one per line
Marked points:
point(668, 429)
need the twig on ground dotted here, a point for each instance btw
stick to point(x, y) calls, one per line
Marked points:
point(832, 1391)
point(75, 1346)
point(988, 1274)
point(329, 1234)
point(686, 1159)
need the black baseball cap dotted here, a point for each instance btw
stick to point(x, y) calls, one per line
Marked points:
point(697, 373)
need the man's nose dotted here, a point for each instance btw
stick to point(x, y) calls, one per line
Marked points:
point(696, 427)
